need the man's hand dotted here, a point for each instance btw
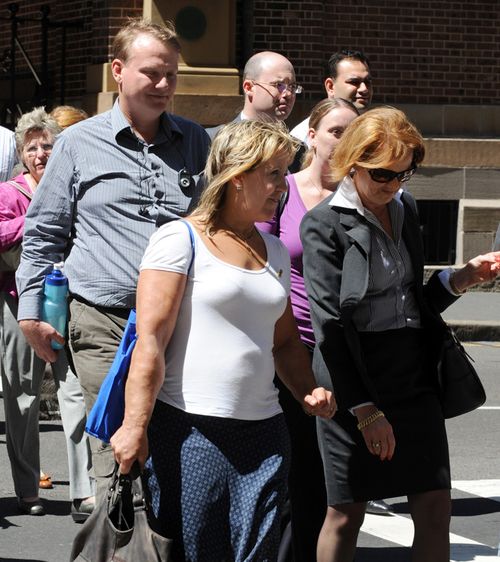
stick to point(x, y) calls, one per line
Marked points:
point(320, 402)
point(39, 335)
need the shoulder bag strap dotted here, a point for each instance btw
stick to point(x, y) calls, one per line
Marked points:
point(21, 189)
point(191, 238)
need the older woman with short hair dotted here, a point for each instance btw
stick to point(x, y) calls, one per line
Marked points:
point(378, 333)
point(21, 370)
point(200, 399)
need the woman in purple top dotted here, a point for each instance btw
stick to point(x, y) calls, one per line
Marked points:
point(307, 188)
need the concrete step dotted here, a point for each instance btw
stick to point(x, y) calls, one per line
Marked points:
point(462, 152)
point(476, 316)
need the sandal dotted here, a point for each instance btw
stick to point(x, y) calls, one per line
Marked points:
point(45, 481)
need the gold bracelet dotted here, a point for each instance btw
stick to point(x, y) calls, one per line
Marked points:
point(370, 419)
point(453, 286)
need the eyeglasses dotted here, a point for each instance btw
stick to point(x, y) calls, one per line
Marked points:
point(282, 87)
point(32, 149)
point(381, 175)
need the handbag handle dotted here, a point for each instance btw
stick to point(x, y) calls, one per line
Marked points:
point(134, 480)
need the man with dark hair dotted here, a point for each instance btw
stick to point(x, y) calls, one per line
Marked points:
point(349, 78)
point(110, 181)
point(269, 88)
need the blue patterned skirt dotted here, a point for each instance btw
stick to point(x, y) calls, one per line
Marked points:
point(217, 485)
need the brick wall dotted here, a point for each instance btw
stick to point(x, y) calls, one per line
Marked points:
point(421, 51)
point(295, 29)
point(88, 44)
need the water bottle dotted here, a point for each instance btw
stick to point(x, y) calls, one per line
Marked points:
point(55, 305)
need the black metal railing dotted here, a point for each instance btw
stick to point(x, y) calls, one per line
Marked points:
point(43, 94)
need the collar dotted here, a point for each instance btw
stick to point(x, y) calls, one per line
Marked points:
point(120, 124)
point(346, 196)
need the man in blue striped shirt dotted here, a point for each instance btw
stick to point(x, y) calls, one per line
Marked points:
point(110, 181)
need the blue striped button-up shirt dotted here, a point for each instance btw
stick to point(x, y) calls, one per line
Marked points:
point(102, 195)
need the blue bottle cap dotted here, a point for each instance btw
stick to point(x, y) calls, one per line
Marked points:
point(57, 277)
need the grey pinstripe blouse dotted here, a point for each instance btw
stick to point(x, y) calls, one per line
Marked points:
point(390, 301)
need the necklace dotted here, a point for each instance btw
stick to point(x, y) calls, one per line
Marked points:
point(330, 188)
point(318, 189)
point(243, 239)
point(243, 236)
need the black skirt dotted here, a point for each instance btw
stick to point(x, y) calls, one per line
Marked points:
point(396, 360)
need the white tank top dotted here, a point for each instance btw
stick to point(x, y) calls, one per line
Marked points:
point(219, 361)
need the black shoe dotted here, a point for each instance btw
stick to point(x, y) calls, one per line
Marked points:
point(379, 507)
point(30, 508)
point(80, 510)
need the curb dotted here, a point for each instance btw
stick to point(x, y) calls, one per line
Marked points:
point(479, 330)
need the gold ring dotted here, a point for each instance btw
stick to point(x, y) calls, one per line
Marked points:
point(376, 445)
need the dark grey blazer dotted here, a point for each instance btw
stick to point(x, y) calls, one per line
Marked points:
point(337, 244)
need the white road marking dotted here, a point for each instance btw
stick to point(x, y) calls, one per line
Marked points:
point(395, 529)
point(489, 408)
point(483, 488)
point(399, 530)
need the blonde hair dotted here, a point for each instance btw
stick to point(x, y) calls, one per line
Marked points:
point(238, 148)
point(36, 120)
point(319, 111)
point(124, 39)
point(374, 140)
point(66, 115)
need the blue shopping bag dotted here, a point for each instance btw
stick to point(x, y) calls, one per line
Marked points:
point(108, 410)
point(106, 415)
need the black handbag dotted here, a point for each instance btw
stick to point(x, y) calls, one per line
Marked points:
point(118, 529)
point(461, 390)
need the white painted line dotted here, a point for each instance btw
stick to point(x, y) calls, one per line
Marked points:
point(399, 530)
point(489, 408)
point(489, 489)
point(395, 529)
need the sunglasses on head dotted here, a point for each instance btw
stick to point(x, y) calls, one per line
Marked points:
point(381, 175)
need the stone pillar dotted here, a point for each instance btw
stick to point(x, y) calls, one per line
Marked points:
point(207, 69)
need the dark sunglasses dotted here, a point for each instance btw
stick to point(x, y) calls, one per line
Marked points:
point(381, 175)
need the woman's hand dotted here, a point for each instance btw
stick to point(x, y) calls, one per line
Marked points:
point(480, 269)
point(378, 435)
point(129, 444)
point(320, 402)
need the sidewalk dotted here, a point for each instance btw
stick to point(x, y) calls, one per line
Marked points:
point(24, 538)
point(476, 316)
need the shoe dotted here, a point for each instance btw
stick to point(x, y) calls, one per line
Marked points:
point(81, 509)
point(45, 481)
point(31, 508)
point(379, 507)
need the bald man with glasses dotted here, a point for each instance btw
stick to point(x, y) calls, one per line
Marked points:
point(269, 88)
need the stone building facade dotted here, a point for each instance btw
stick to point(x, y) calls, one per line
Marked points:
point(436, 59)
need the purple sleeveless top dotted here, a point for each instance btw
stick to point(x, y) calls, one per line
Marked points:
point(289, 234)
